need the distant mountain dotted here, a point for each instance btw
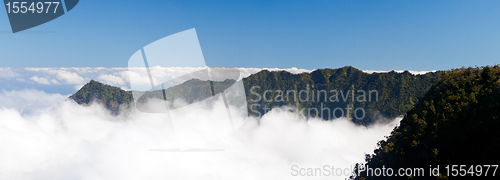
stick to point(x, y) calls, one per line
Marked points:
point(386, 94)
point(111, 97)
point(397, 92)
point(456, 122)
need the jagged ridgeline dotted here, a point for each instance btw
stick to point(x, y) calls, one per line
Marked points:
point(374, 95)
point(456, 122)
point(385, 94)
point(188, 92)
point(111, 97)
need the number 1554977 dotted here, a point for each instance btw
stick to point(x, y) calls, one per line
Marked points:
point(33, 7)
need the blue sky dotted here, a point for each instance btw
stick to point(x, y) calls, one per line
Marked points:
point(368, 35)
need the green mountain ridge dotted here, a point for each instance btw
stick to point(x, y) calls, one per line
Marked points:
point(396, 92)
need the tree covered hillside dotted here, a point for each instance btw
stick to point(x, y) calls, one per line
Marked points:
point(457, 122)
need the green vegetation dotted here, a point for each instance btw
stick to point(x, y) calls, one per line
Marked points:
point(395, 92)
point(455, 123)
point(111, 97)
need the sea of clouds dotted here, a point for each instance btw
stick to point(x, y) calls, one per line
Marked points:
point(45, 136)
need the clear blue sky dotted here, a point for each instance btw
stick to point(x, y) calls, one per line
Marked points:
point(374, 35)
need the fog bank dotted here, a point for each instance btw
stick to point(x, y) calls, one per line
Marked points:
point(60, 139)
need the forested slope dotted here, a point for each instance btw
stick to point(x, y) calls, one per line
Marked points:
point(455, 123)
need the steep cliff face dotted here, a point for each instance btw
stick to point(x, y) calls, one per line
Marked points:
point(457, 122)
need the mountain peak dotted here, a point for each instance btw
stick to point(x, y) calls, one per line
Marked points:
point(108, 95)
point(94, 82)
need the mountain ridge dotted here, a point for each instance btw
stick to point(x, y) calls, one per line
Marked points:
point(397, 90)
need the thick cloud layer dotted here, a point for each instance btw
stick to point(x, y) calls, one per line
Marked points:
point(69, 141)
point(29, 101)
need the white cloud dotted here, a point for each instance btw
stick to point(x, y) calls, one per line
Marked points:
point(111, 79)
point(40, 80)
point(70, 77)
point(249, 71)
point(7, 73)
point(86, 142)
point(399, 71)
point(29, 100)
point(53, 81)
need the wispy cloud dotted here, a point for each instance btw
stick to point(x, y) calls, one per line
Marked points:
point(7, 73)
point(41, 80)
